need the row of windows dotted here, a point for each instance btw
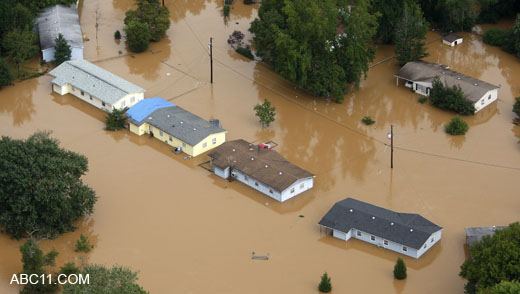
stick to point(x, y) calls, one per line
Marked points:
point(385, 242)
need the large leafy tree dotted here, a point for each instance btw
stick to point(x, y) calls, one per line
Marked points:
point(137, 36)
point(41, 192)
point(34, 263)
point(265, 113)
point(62, 50)
point(5, 74)
point(103, 280)
point(391, 12)
point(14, 16)
point(451, 15)
point(151, 13)
point(410, 34)
point(19, 46)
point(450, 98)
point(494, 259)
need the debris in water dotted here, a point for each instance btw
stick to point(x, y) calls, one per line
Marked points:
point(168, 74)
point(267, 204)
point(259, 257)
point(301, 215)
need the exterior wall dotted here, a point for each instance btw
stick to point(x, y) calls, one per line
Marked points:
point(421, 88)
point(307, 184)
point(211, 141)
point(223, 173)
point(487, 99)
point(434, 238)
point(69, 89)
point(48, 54)
point(257, 185)
point(342, 235)
point(456, 42)
point(76, 53)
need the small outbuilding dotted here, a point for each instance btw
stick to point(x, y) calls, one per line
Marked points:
point(474, 235)
point(452, 40)
point(55, 20)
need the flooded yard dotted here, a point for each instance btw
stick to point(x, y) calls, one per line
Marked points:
point(189, 231)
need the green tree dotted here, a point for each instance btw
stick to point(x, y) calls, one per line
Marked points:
point(504, 287)
point(19, 46)
point(410, 34)
point(516, 106)
point(265, 112)
point(450, 98)
point(69, 269)
point(103, 281)
point(14, 15)
point(83, 244)
point(117, 35)
point(34, 262)
point(62, 50)
point(391, 12)
point(400, 269)
point(5, 74)
point(325, 286)
point(41, 192)
point(116, 120)
point(457, 126)
point(137, 36)
point(151, 13)
point(494, 259)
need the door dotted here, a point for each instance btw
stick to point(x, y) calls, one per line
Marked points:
point(151, 130)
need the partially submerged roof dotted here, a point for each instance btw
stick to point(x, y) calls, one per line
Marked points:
point(94, 80)
point(474, 235)
point(422, 71)
point(408, 229)
point(452, 37)
point(173, 120)
point(264, 165)
point(59, 19)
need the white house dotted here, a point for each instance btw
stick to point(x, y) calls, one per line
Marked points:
point(95, 85)
point(452, 40)
point(405, 233)
point(419, 76)
point(55, 20)
point(262, 169)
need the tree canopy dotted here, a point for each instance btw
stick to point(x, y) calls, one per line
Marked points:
point(5, 74)
point(137, 36)
point(410, 34)
point(151, 13)
point(450, 98)
point(41, 191)
point(34, 262)
point(62, 50)
point(19, 46)
point(265, 113)
point(494, 259)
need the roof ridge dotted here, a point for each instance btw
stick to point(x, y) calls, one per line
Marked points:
point(99, 78)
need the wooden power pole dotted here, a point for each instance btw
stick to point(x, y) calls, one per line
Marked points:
point(391, 146)
point(211, 57)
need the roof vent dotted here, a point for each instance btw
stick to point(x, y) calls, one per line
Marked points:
point(250, 148)
point(194, 129)
point(252, 158)
point(234, 150)
point(411, 230)
point(458, 78)
point(373, 217)
point(280, 173)
point(168, 115)
point(150, 117)
point(475, 84)
point(266, 166)
point(182, 122)
point(391, 224)
point(443, 73)
point(351, 210)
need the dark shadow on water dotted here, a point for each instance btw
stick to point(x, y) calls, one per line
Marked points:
point(18, 101)
point(399, 286)
point(149, 62)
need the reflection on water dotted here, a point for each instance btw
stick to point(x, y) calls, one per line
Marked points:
point(18, 101)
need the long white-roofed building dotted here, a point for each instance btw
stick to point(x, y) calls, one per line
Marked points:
point(95, 85)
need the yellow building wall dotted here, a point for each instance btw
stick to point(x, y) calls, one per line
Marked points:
point(198, 149)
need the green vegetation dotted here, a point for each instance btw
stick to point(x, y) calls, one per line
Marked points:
point(325, 285)
point(116, 120)
point(34, 262)
point(400, 269)
point(457, 126)
point(410, 34)
point(422, 99)
point(492, 10)
point(138, 36)
point(451, 15)
point(246, 52)
point(228, 2)
point(493, 260)
point(367, 120)
point(265, 112)
point(508, 40)
point(235, 39)
point(450, 98)
point(151, 13)
point(299, 38)
point(5, 74)
point(63, 51)
point(19, 46)
point(248, 2)
point(226, 10)
point(117, 35)
point(46, 180)
point(504, 287)
point(104, 280)
point(83, 244)
point(69, 269)
point(516, 106)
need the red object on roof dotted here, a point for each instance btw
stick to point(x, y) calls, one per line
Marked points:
point(262, 145)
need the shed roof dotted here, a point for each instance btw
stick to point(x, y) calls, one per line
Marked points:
point(59, 19)
point(94, 80)
point(145, 107)
point(422, 71)
point(408, 229)
point(264, 165)
point(474, 235)
point(452, 37)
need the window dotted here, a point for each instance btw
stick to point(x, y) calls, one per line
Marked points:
point(103, 103)
point(482, 102)
point(489, 97)
point(170, 138)
point(90, 97)
point(160, 133)
point(431, 240)
point(256, 184)
point(123, 103)
point(425, 245)
point(292, 190)
point(373, 238)
point(385, 242)
point(246, 178)
point(82, 93)
point(204, 145)
point(132, 99)
point(302, 185)
point(214, 140)
point(184, 145)
point(271, 191)
point(428, 91)
point(358, 233)
point(405, 248)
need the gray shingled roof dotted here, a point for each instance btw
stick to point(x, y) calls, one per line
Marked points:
point(452, 37)
point(93, 80)
point(181, 124)
point(408, 229)
point(59, 19)
point(476, 234)
point(422, 71)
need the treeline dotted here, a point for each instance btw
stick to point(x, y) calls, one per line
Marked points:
point(508, 40)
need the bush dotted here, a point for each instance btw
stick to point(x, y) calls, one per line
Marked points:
point(137, 36)
point(151, 13)
point(235, 39)
point(69, 269)
point(116, 120)
point(495, 37)
point(246, 52)
point(367, 120)
point(421, 99)
point(117, 35)
point(325, 285)
point(516, 106)
point(265, 113)
point(5, 74)
point(228, 2)
point(400, 269)
point(83, 244)
point(62, 50)
point(450, 98)
point(457, 126)
point(226, 10)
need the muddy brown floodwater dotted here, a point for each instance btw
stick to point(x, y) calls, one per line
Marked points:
point(188, 231)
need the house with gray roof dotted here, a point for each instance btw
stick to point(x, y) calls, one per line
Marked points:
point(95, 85)
point(474, 235)
point(55, 20)
point(406, 233)
point(452, 40)
point(175, 126)
point(419, 76)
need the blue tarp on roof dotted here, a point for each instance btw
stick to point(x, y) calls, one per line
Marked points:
point(145, 107)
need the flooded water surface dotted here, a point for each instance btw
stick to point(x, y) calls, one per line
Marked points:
point(189, 231)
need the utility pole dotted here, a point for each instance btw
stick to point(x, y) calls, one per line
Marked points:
point(163, 3)
point(391, 137)
point(211, 56)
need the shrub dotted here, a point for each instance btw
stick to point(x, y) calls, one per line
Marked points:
point(117, 35)
point(62, 50)
point(246, 52)
point(5, 74)
point(495, 37)
point(138, 36)
point(228, 2)
point(265, 113)
point(226, 10)
point(248, 2)
point(457, 126)
point(421, 99)
point(367, 120)
point(450, 98)
point(83, 244)
point(235, 39)
point(400, 269)
point(516, 106)
point(69, 269)
point(325, 285)
point(116, 119)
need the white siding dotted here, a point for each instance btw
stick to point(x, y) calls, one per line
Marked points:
point(48, 54)
point(456, 42)
point(223, 173)
point(307, 183)
point(76, 53)
point(487, 99)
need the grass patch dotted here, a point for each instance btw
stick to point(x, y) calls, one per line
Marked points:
point(367, 120)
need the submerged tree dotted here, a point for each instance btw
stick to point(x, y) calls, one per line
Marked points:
point(34, 263)
point(410, 34)
point(516, 107)
point(325, 286)
point(5, 74)
point(19, 46)
point(152, 14)
point(265, 112)
point(400, 269)
point(137, 36)
point(62, 50)
point(41, 191)
point(83, 244)
point(457, 126)
point(116, 120)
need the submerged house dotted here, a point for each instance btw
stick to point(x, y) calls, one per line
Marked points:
point(419, 76)
point(95, 85)
point(262, 169)
point(55, 20)
point(474, 235)
point(406, 233)
point(452, 40)
point(175, 126)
